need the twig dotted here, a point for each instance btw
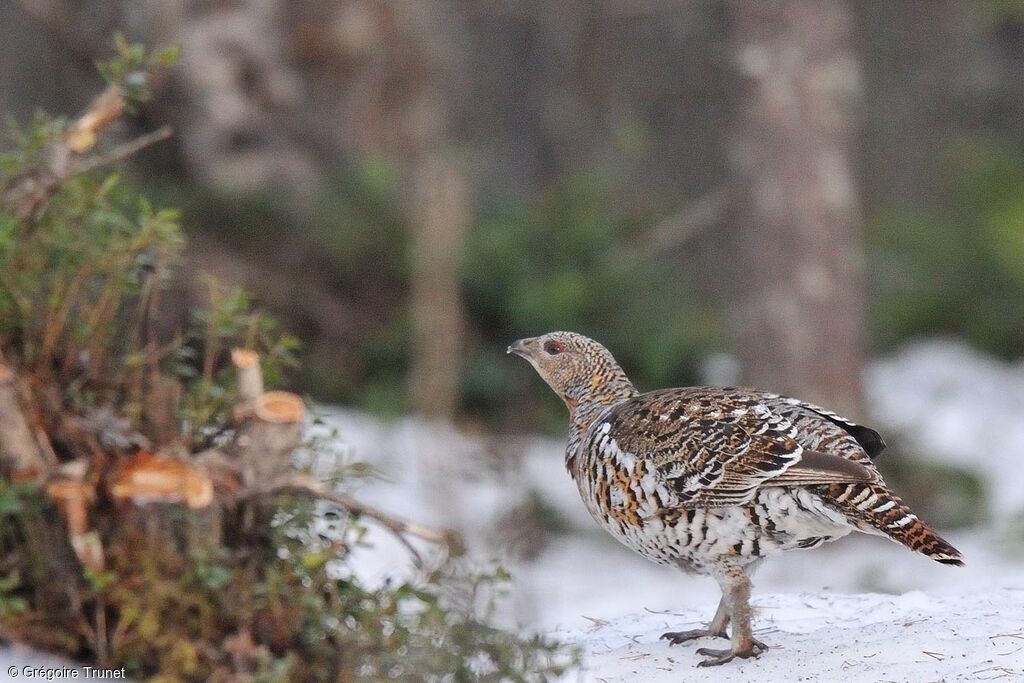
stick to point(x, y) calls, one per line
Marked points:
point(399, 527)
point(123, 151)
point(65, 156)
point(1004, 672)
point(637, 657)
point(674, 613)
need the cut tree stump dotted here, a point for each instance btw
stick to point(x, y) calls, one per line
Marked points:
point(269, 423)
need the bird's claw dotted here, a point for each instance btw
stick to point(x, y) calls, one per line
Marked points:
point(678, 637)
point(717, 657)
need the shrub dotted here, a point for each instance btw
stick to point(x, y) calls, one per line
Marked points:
point(239, 581)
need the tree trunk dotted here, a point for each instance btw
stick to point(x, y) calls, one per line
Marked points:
point(439, 210)
point(440, 218)
point(799, 321)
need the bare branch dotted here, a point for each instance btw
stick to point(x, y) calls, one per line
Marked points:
point(302, 483)
point(31, 191)
point(123, 151)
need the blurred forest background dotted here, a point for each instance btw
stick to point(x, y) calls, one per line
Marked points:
point(770, 192)
point(788, 194)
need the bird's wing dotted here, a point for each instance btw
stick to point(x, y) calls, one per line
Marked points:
point(714, 447)
point(870, 440)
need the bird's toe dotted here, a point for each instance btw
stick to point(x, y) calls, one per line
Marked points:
point(678, 637)
point(717, 657)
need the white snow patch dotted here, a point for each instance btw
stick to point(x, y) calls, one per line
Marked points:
point(959, 406)
point(909, 638)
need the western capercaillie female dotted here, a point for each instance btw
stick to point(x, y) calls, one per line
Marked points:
point(713, 479)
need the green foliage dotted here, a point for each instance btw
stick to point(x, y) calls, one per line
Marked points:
point(68, 277)
point(229, 321)
point(80, 302)
point(11, 605)
point(565, 260)
point(361, 240)
point(26, 145)
point(352, 246)
point(130, 68)
point(956, 270)
point(292, 609)
point(252, 591)
point(304, 616)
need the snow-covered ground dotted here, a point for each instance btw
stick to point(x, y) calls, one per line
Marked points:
point(942, 398)
point(909, 638)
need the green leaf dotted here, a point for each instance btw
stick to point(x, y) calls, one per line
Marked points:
point(167, 56)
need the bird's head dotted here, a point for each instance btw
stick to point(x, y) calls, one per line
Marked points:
point(579, 369)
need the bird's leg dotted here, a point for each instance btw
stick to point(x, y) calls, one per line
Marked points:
point(735, 586)
point(715, 629)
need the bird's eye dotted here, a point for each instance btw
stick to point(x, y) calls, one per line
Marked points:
point(553, 347)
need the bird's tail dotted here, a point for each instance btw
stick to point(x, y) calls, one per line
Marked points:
point(876, 509)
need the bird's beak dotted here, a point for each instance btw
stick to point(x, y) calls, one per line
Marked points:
point(520, 348)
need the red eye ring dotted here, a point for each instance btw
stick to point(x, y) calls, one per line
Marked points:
point(553, 347)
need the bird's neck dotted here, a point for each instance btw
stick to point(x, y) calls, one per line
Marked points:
point(591, 401)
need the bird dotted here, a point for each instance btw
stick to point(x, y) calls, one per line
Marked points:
point(713, 480)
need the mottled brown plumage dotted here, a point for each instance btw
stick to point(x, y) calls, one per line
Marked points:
point(713, 479)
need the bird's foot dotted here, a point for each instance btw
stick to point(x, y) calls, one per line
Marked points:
point(717, 657)
point(678, 637)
